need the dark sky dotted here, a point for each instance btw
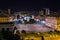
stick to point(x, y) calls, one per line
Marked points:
point(30, 5)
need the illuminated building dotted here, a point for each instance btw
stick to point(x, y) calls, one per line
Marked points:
point(41, 13)
point(46, 11)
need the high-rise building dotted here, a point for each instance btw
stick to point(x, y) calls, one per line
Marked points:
point(9, 11)
point(47, 11)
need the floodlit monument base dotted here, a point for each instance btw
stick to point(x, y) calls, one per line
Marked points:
point(33, 28)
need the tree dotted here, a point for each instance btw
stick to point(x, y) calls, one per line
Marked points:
point(23, 31)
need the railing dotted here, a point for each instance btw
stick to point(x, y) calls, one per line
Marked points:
point(4, 19)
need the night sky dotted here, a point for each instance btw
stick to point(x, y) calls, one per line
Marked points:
point(30, 5)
